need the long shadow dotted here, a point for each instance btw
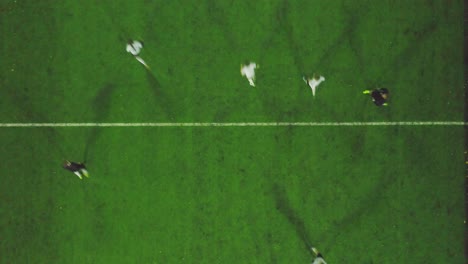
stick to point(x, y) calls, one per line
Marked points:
point(347, 36)
point(24, 103)
point(284, 207)
point(282, 16)
point(370, 202)
point(285, 27)
point(217, 15)
point(124, 35)
point(161, 96)
point(101, 107)
point(418, 37)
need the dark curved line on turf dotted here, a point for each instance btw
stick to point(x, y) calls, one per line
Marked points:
point(368, 204)
point(24, 103)
point(282, 16)
point(162, 97)
point(217, 14)
point(284, 26)
point(285, 208)
point(101, 106)
point(420, 36)
point(124, 35)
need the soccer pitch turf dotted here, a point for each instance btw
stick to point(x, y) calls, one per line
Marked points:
point(360, 194)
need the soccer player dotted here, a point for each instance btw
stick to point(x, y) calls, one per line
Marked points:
point(249, 72)
point(313, 83)
point(318, 257)
point(379, 96)
point(134, 47)
point(79, 169)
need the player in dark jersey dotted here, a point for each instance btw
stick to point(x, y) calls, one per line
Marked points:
point(379, 96)
point(79, 169)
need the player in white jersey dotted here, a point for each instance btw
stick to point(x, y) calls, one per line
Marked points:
point(313, 83)
point(318, 257)
point(134, 47)
point(249, 72)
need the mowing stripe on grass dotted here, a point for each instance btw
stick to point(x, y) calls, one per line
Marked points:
point(240, 124)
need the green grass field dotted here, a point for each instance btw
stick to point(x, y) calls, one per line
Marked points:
point(381, 194)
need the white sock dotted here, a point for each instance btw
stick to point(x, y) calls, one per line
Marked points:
point(77, 173)
point(141, 61)
point(84, 172)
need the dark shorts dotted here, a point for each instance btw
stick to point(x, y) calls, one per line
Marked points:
point(377, 96)
point(73, 166)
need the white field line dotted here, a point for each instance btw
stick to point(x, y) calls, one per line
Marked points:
point(241, 124)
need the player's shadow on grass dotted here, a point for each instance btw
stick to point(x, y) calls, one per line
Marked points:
point(23, 101)
point(300, 51)
point(161, 96)
point(101, 106)
point(285, 26)
point(285, 208)
point(418, 37)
